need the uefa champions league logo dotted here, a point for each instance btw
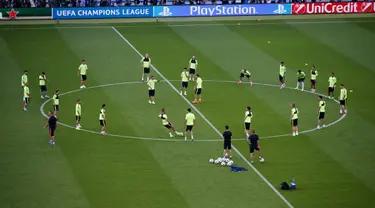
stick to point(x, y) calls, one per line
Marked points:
point(280, 9)
point(166, 12)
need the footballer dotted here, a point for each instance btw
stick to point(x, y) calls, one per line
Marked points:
point(184, 82)
point(24, 78)
point(146, 64)
point(193, 66)
point(301, 79)
point(331, 85)
point(282, 74)
point(43, 86)
point(343, 97)
point(247, 74)
point(167, 124)
point(189, 124)
point(56, 102)
point(151, 90)
point(247, 123)
point(82, 71)
point(314, 74)
point(26, 96)
point(198, 90)
point(102, 119)
point(321, 112)
point(294, 119)
point(78, 114)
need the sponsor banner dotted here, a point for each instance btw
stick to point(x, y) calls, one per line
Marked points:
point(333, 8)
point(24, 12)
point(102, 12)
point(222, 10)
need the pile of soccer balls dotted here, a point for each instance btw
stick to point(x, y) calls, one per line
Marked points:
point(223, 161)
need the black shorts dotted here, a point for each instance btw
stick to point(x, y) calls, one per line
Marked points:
point(247, 126)
point(84, 77)
point(56, 108)
point(103, 123)
point(198, 91)
point(146, 70)
point(331, 89)
point(78, 118)
point(295, 122)
point(43, 88)
point(254, 147)
point(342, 102)
point(191, 71)
point(313, 81)
point(184, 84)
point(242, 75)
point(26, 100)
point(301, 79)
point(168, 126)
point(321, 115)
point(189, 128)
point(151, 93)
point(52, 131)
point(281, 78)
point(227, 145)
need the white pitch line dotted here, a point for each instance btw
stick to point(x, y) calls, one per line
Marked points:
point(15, 27)
point(208, 122)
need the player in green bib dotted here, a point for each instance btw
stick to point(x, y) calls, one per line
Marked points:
point(189, 124)
point(247, 74)
point(103, 119)
point(43, 86)
point(342, 98)
point(301, 79)
point(331, 85)
point(82, 71)
point(24, 79)
point(313, 76)
point(26, 96)
point(167, 124)
point(146, 65)
point(56, 102)
point(321, 112)
point(193, 66)
point(294, 119)
point(198, 90)
point(282, 74)
point(151, 90)
point(184, 82)
point(78, 114)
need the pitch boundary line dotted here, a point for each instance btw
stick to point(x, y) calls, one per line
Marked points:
point(177, 140)
point(191, 25)
point(208, 122)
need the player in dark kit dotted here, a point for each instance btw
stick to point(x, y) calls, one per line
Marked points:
point(227, 135)
point(254, 145)
point(52, 124)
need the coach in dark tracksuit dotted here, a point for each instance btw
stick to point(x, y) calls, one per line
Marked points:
point(254, 145)
point(227, 135)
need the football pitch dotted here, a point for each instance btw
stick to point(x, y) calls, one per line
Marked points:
point(137, 165)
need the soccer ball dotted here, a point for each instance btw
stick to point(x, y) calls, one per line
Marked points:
point(223, 163)
point(211, 161)
point(181, 134)
point(230, 163)
point(217, 161)
point(261, 160)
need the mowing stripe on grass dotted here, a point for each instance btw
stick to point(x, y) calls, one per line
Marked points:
point(180, 140)
point(208, 122)
point(260, 23)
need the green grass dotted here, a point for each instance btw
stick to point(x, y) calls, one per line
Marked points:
point(333, 167)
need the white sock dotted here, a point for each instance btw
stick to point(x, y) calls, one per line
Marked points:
point(297, 84)
point(303, 85)
point(247, 135)
point(170, 133)
point(346, 111)
point(192, 137)
point(340, 111)
point(296, 132)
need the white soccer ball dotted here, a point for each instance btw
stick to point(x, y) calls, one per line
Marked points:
point(211, 161)
point(181, 134)
point(217, 161)
point(223, 164)
point(230, 163)
point(226, 160)
point(261, 160)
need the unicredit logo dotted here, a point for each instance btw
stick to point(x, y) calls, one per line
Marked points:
point(333, 8)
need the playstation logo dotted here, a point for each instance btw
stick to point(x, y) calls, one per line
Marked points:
point(166, 12)
point(280, 9)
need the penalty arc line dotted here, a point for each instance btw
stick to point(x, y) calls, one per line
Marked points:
point(207, 121)
point(179, 140)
